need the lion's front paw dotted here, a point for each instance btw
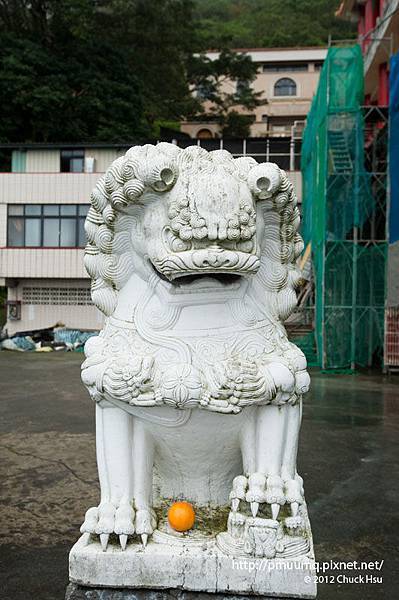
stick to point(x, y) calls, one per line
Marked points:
point(106, 519)
point(302, 382)
point(234, 384)
point(295, 497)
point(240, 484)
point(284, 381)
point(146, 522)
point(258, 490)
point(275, 494)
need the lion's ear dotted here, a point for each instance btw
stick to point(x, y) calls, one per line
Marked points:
point(282, 244)
point(264, 180)
point(153, 167)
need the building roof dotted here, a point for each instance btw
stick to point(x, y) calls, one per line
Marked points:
point(291, 54)
point(64, 145)
point(278, 49)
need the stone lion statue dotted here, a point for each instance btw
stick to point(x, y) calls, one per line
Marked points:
point(198, 391)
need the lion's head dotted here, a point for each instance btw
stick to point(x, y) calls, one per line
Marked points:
point(188, 213)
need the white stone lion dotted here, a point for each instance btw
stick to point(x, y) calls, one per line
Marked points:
point(192, 256)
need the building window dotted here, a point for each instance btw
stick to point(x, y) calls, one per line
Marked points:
point(46, 225)
point(318, 66)
point(285, 87)
point(284, 67)
point(280, 128)
point(72, 161)
point(204, 134)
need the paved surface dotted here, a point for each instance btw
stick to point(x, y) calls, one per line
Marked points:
point(348, 457)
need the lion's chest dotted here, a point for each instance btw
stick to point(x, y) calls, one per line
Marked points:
point(185, 367)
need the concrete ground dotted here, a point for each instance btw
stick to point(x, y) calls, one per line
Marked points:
point(348, 457)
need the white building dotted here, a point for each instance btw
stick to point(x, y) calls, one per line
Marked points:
point(287, 79)
point(43, 203)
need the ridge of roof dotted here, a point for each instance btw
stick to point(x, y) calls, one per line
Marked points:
point(273, 49)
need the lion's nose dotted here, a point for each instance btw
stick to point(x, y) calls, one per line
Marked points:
point(215, 258)
point(217, 228)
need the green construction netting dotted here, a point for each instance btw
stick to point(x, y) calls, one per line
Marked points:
point(339, 206)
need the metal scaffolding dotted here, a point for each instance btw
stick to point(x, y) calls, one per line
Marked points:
point(344, 166)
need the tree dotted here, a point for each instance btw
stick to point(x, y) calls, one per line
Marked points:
point(235, 125)
point(47, 98)
point(158, 36)
point(60, 80)
point(106, 70)
point(223, 87)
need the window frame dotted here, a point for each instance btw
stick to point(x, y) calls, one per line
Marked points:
point(69, 154)
point(293, 67)
point(295, 86)
point(41, 217)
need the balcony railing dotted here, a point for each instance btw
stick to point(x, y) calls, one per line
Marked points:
point(283, 150)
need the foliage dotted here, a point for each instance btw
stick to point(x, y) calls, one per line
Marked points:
point(270, 23)
point(112, 70)
point(236, 125)
point(223, 86)
point(106, 70)
point(160, 124)
point(46, 97)
point(158, 36)
point(60, 80)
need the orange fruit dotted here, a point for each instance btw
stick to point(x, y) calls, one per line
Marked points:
point(181, 516)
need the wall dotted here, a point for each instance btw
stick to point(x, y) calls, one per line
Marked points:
point(42, 262)
point(298, 105)
point(38, 316)
point(103, 157)
point(42, 161)
point(296, 179)
point(40, 188)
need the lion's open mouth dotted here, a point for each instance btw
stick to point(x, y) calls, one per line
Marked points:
point(185, 280)
point(216, 265)
point(223, 278)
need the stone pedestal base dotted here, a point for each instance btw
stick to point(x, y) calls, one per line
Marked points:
point(79, 592)
point(192, 567)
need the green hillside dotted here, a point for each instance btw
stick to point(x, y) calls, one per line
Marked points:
point(269, 23)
